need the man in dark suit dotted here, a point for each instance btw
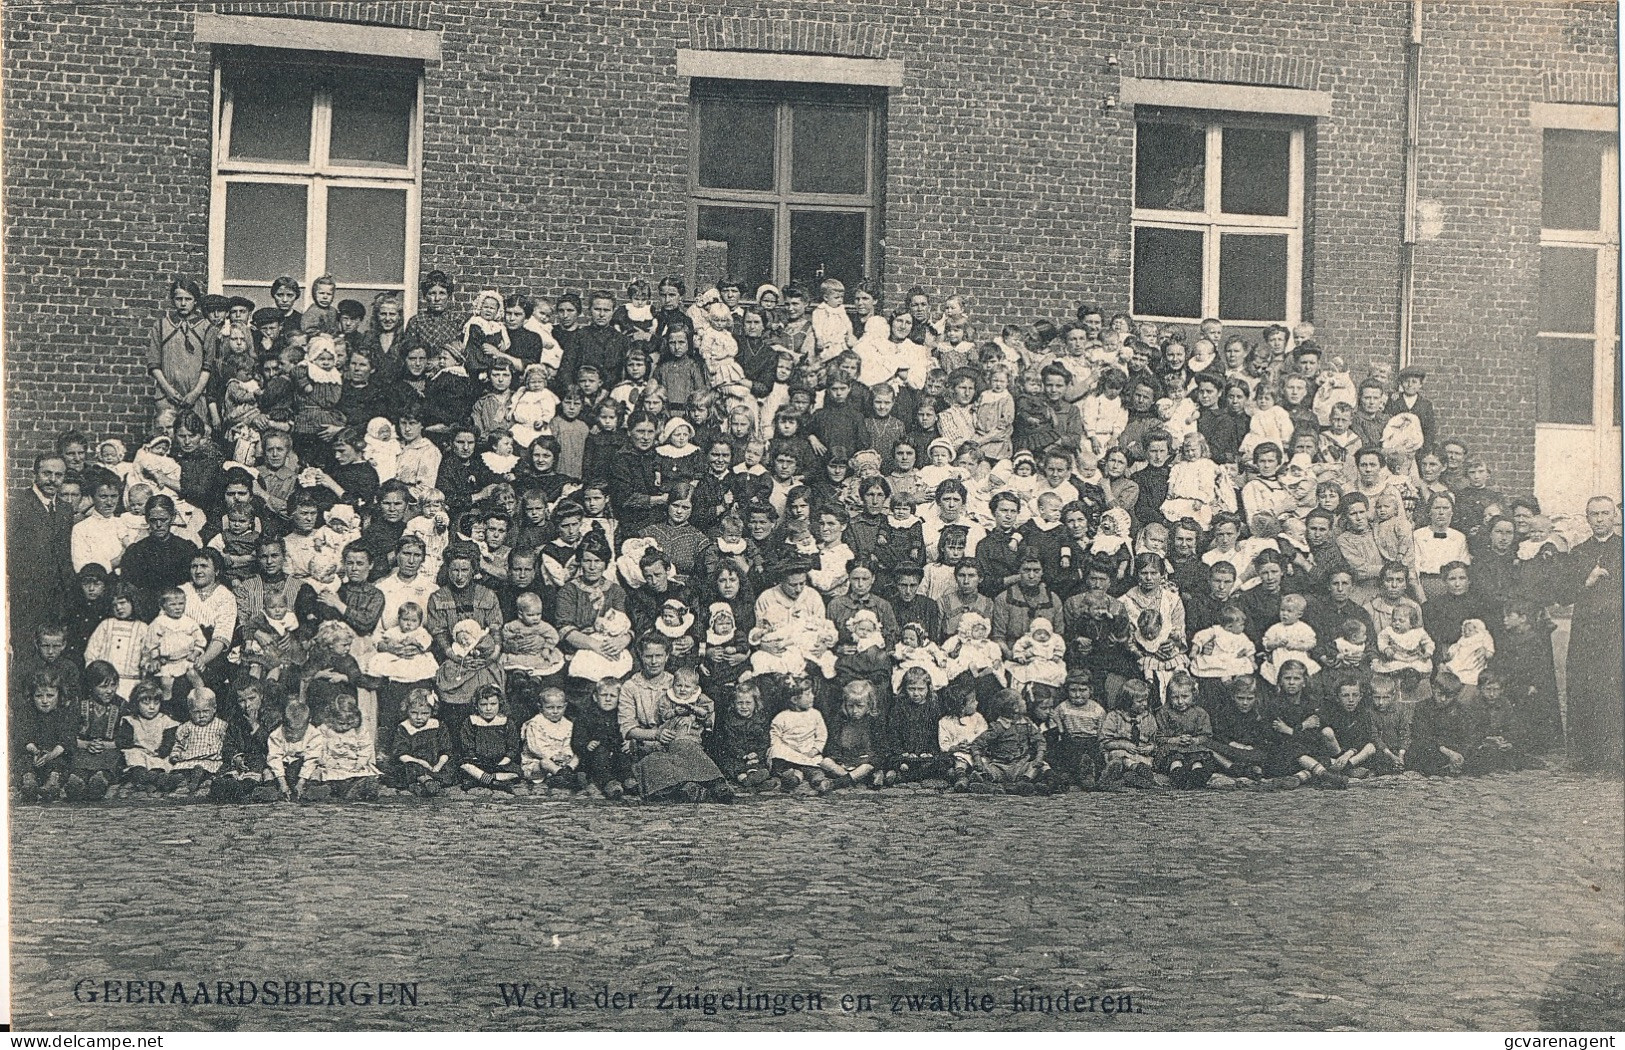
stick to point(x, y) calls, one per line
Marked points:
point(38, 569)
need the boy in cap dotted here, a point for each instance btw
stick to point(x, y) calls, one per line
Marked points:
point(268, 335)
point(215, 309)
point(240, 310)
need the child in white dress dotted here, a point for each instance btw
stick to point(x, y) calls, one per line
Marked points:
point(142, 733)
point(1224, 650)
point(1290, 639)
point(383, 449)
point(1039, 655)
point(404, 648)
point(718, 349)
point(1468, 658)
point(174, 640)
point(1270, 423)
point(971, 649)
point(592, 665)
point(1198, 488)
point(1403, 646)
point(547, 755)
point(533, 407)
point(915, 648)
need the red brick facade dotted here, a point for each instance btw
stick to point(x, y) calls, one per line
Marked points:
point(555, 144)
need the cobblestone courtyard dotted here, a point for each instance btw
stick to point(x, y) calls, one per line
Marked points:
point(1490, 904)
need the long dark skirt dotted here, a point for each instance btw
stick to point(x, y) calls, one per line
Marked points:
point(681, 762)
point(1596, 716)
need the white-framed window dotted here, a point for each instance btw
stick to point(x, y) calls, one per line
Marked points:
point(1577, 381)
point(1218, 219)
point(783, 183)
point(317, 170)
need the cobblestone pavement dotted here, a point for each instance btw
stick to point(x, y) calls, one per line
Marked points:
point(1494, 903)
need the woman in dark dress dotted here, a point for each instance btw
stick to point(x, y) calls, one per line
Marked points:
point(202, 465)
point(1495, 568)
point(1458, 602)
point(409, 390)
point(160, 560)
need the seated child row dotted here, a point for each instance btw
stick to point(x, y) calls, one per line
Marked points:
point(773, 732)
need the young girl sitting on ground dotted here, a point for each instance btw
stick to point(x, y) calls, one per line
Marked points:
point(96, 759)
point(852, 753)
point(489, 744)
point(420, 747)
point(743, 740)
point(43, 735)
point(1129, 737)
point(1241, 734)
point(349, 768)
point(798, 736)
point(146, 735)
point(914, 729)
point(1183, 731)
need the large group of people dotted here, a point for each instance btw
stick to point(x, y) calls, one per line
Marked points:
point(647, 545)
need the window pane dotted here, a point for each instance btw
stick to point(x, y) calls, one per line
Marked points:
point(270, 114)
point(1256, 171)
point(1564, 378)
point(1167, 272)
point(1568, 289)
point(826, 244)
point(734, 243)
point(265, 232)
point(1571, 180)
point(736, 144)
point(1252, 277)
point(366, 235)
point(1169, 165)
point(830, 147)
point(372, 114)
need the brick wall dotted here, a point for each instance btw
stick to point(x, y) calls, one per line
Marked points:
point(555, 155)
point(1478, 285)
point(106, 146)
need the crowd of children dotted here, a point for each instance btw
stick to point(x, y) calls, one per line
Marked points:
point(653, 547)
